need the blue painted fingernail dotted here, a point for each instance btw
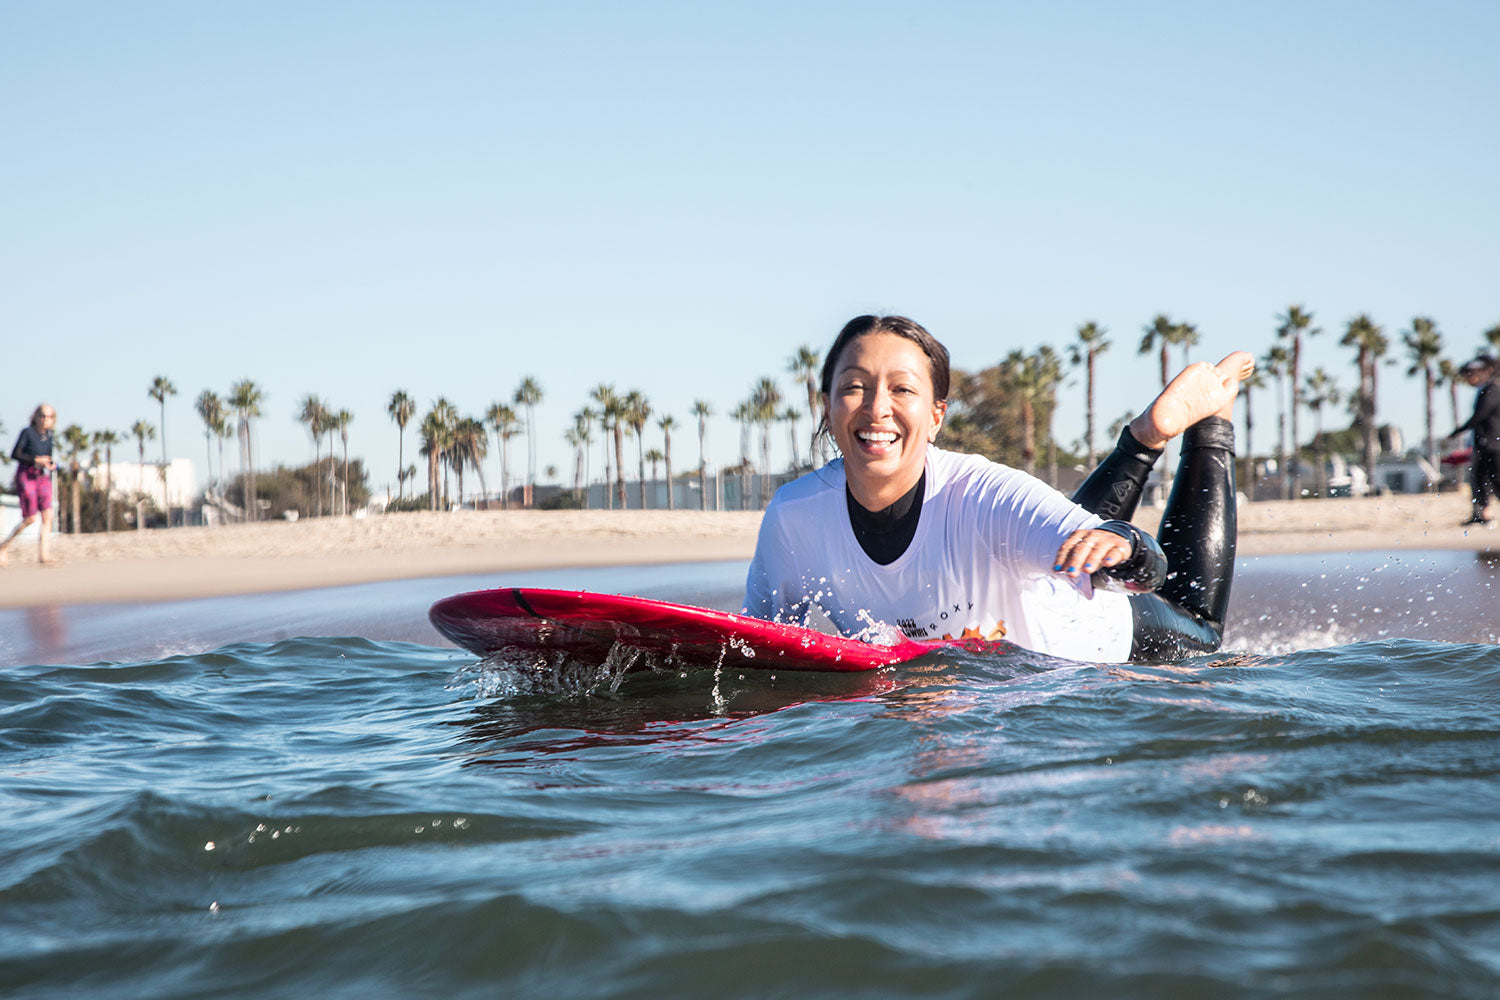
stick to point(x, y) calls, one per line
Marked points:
point(1057, 567)
point(1088, 565)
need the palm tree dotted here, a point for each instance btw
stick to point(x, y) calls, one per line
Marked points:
point(77, 441)
point(666, 423)
point(654, 456)
point(1049, 371)
point(210, 410)
point(1295, 323)
point(804, 367)
point(1160, 335)
point(604, 395)
point(1091, 344)
point(223, 430)
point(107, 440)
point(342, 420)
point(1492, 335)
point(313, 413)
point(1320, 391)
point(1370, 344)
point(161, 388)
point(1256, 380)
point(1275, 365)
point(614, 414)
point(573, 436)
point(324, 425)
point(528, 394)
point(1449, 373)
point(470, 445)
point(1424, 343)
point(702, 410)
point(1020, 378)
point(401, 410)
point(765, 402)
point(637, 410)
point(502, 419)
point(741, 414)
point(143, 432)
point(789, 417)
point(583, 429)
point(436, 434)
point(245, 398)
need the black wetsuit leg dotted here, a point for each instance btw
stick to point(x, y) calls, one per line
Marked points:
point(1198, 530)
point(1197, 533)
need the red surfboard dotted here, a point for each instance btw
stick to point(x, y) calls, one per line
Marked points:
point(576, 624)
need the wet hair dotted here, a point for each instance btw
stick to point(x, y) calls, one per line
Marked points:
point(900, 326)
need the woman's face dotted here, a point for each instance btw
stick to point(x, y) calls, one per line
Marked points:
point(883, 415)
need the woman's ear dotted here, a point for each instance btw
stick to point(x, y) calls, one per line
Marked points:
point(939, 411)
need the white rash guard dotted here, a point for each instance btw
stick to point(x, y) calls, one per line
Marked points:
point(981, 560)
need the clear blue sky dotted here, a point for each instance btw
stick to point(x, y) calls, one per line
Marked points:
point(350, 198)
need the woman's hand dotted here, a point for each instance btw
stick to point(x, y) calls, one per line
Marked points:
point(1088, 550)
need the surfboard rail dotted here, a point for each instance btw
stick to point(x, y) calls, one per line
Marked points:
point(584, 623)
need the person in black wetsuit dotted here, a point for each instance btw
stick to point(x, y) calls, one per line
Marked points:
point(1485, 423)
point(884, 418)
point(33, 456)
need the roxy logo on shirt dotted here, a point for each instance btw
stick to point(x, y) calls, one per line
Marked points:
point(942, 624)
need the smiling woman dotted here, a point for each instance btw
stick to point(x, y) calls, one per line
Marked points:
point(899, 532)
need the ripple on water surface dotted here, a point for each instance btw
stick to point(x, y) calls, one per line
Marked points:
point(346, 816)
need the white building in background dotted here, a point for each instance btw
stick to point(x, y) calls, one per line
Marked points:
point(174, 486)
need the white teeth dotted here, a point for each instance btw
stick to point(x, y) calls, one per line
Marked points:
point(877, 437)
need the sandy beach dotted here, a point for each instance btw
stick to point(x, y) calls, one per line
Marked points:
point(254, 558)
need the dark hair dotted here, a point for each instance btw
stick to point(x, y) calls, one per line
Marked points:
point(908, 329)
point(901, 326)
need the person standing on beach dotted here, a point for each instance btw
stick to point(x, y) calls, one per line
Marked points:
point(1485, 423)
point(33, 454)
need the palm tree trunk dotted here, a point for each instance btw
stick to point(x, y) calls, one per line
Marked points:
point(1089, 412)
point(765, 464)
point(703, 466)
point(619, 465)
point(1296, 399)
point(77, 502)
point(1281, 464)
point(1252, 472)
point(1322, 454)
point(1367, 412)
point(671, 503)
point(1432, 455)
point(640, 445)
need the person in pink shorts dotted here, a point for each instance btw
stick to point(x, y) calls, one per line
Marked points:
point(33, 455)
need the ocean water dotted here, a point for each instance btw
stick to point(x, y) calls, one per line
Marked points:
point(308, 795)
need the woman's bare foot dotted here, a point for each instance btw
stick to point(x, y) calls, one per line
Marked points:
point(1200, 390)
